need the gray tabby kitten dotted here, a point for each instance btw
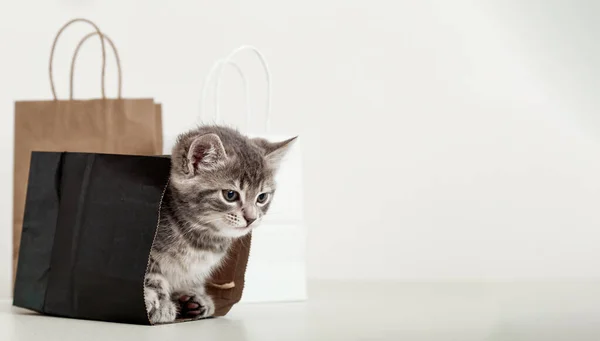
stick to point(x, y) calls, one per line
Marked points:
point(221, 185)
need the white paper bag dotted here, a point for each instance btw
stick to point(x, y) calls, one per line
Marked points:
point(277, 263)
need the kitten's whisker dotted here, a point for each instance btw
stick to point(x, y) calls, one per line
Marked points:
point(210, 221)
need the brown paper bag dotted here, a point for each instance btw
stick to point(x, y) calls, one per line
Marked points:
point(116, 126)
point(227, 283)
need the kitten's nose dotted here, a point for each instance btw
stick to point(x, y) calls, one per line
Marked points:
point(249, 214)
point(249, 220)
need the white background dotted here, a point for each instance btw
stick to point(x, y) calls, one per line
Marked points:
point(442, 140)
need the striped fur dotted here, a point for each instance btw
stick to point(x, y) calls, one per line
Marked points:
point(198, 223)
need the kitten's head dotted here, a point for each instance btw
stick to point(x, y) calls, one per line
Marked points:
point(224, 180)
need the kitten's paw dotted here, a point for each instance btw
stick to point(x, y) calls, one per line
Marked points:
point(198, 306)
point(161, 311)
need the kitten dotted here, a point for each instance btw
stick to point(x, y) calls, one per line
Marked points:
point(220, 187)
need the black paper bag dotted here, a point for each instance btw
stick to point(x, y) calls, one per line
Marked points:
point(88, 227)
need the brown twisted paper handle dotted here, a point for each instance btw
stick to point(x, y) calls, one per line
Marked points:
point(52, 87)
point(118, 60)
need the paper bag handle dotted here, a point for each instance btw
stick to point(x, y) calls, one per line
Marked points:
point(118, 60)
point(220, 64)
point(54, 47)
point(218, 69)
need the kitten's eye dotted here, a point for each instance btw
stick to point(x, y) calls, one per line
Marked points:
point(262, 198)
point(230, 195)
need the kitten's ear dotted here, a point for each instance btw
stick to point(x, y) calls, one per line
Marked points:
point(206, 152)
point(274, 151)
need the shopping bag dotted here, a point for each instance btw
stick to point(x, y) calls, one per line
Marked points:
point(117, 126)
point(273, 267)
point(89, 223)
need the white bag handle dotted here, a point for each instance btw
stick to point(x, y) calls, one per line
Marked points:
point(218, 70)
point(219, 65)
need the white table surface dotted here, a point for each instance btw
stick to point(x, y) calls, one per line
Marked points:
point(545, 311)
